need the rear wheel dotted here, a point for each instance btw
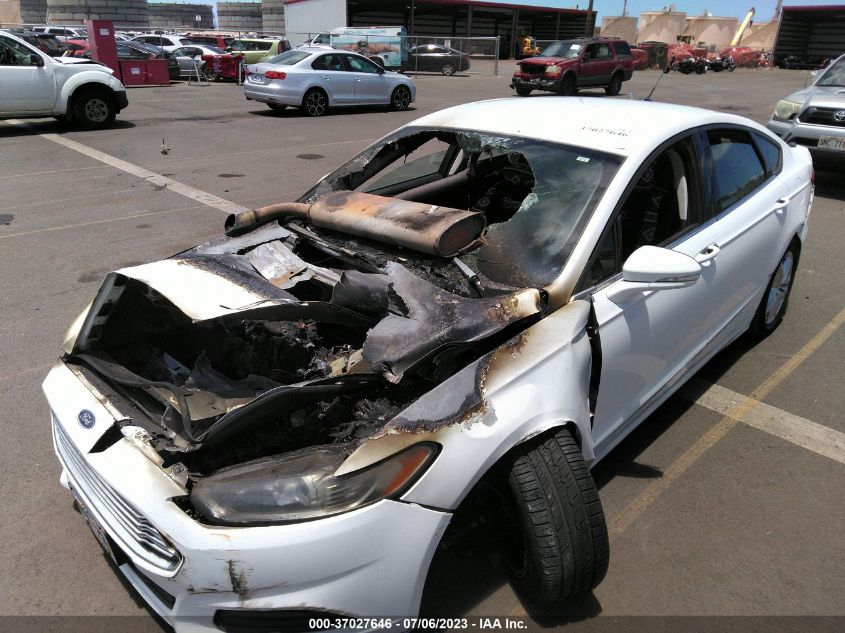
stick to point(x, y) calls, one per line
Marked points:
point(94, 108)
point(315, 102)
point(561, 548)
point(523, 92)
point(207, 72)
point(448, 69)
point(776, 298)
point(401, 98)
point(568, 86)
point(614, 86)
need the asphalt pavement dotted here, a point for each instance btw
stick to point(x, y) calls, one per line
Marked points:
point(713, 511)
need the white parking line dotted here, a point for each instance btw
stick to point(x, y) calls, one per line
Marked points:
point(787, 426)
point(193, 193)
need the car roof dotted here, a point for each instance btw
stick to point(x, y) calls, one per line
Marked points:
point(618, 126)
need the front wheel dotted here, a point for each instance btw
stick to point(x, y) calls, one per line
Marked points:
point(614, 86)
point(400, 99)
point(522, 91)
point(775, 300)
point(315, 102)
point(94, 109)
point(561, 549)
point(448, 69)
point(568, 86)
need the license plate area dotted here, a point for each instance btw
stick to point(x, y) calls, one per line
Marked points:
point(109, 549)
point(832, 142)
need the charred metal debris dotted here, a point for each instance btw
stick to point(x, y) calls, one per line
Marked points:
point(364, 298)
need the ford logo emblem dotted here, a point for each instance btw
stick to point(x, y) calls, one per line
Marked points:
point(86, 419)
point(839, 116)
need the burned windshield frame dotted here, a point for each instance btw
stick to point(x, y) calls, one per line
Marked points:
point(537, 195)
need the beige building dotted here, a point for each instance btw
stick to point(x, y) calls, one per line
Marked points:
point(10, 12)
point(624, 27)
point(661, 26)
point(710, 30)
point(760, 36)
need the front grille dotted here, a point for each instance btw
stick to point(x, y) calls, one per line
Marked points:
point(128, 527)
point(823, 116)
point(533, 69)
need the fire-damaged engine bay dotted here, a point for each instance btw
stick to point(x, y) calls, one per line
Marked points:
point(316, 322)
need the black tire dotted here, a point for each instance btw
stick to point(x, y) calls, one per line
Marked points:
point(563, 529)
point(448, 69)
point(207, 73)
point(775, 300)
point(699, 69)
point(94, 108)
point(400, 99)
point(276, 107)
point(315, 102)
point(568, 86)
point(522, 92)
point(612, 89)
point(666, 69)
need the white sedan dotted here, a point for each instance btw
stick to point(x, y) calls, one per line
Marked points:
point(316, 80)
point(478, 307)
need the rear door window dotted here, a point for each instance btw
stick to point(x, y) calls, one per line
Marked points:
point(771, 154)
point(737, 168)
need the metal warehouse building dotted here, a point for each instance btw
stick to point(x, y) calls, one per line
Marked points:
point(811, 32)
point(440, 18)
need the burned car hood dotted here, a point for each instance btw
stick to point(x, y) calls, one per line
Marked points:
point(214, 342)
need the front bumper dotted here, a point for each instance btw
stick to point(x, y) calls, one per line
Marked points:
point(371, 562)
point(808, 135)
point(536, 83)
point(122, 100)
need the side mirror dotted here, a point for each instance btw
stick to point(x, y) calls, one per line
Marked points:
point(36, 60)
point(380, 70)
point(653, 268)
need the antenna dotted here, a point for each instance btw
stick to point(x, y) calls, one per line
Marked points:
point(654, 87)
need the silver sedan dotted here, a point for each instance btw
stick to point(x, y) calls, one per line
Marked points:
point(316, 80)
point(189, 56)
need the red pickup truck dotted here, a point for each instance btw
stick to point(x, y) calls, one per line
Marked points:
point(565, 66)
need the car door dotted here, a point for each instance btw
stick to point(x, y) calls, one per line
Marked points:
point(334, 78)
point(371, 85)
point(27, 88)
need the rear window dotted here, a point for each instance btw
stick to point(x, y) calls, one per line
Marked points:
point(288, 58)
point(622, 49)
point(771, 154)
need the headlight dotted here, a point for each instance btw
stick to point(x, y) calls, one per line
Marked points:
point(786, 109)
point(302, 485)
point(552, 70)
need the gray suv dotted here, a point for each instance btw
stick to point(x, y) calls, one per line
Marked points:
point(815, 117)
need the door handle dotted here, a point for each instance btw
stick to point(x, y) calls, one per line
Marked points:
point(708, 253)
point(780, 205)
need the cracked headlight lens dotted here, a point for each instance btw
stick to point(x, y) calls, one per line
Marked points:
point(301, 486)
point(786, 109)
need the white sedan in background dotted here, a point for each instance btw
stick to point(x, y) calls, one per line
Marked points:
point(277, 426)
point(316, 80)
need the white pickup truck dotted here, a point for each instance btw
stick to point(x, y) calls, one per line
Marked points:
point(71, 89)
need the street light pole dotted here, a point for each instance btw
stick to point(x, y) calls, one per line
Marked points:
point(588, 32)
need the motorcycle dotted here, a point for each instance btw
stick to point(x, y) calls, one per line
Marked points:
point(686, 66)
point(722, 63)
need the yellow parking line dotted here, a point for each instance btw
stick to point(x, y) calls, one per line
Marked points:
point(737, 414)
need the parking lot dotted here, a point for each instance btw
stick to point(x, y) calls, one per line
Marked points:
point(717, 505)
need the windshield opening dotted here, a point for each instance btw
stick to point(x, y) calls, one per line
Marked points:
point(835, 75)
point(535, 195)
point(568, 50)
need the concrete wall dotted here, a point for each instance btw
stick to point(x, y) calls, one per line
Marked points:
point(33, 11)
point(712, 31)
point(273, 16)
point(121, 12)
point(239, 16)
point(10, 12)
point(620, 26)
point(760, 36)
point(661, 26)
point(171, 15)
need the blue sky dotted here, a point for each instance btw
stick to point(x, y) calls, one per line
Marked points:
point(730, 8)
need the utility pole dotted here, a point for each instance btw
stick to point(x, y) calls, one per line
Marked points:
point(588, 32)
point(411, 22)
